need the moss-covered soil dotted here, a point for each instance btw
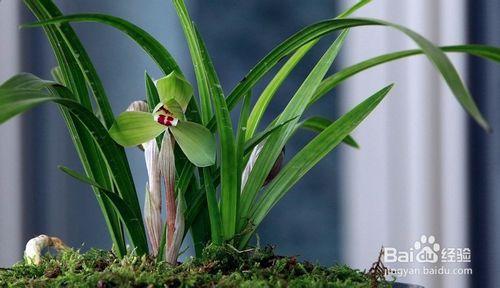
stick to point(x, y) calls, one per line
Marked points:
point(219, 267)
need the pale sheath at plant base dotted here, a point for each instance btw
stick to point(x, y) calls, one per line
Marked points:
point(219, 191)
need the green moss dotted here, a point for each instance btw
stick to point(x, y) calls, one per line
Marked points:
point(219, 266)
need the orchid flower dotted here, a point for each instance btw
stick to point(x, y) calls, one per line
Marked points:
point(133, 128)
point(161, 164)
point(136, 126)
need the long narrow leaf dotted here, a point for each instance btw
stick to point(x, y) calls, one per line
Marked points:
point(213, 208)
point(92, 160)
point(132, 222)
point(153, 100)
point(320, 29)
point(25, 81)
point(271, 89)
point(229, 179)
point(354, 8)
point(487, 52)
point(276, 141)
point(23, 99)
point(311, 154)
point(199, 69)
point(318, 124)
point(70, 74)
point(113, 153)
point(82, 178)
point(75, 46)
point(147, 42)
point(240, 140)
point(151, 93)
point(433, 53)
point(259, 137)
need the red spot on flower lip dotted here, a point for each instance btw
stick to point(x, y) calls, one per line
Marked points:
point(165, 120)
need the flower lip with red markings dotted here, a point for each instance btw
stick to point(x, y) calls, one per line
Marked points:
point(165, 117)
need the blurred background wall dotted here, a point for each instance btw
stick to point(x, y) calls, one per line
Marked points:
point(409, 178)
point(423, 168)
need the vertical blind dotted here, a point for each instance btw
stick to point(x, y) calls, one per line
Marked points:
point(484, 149)
point(409, 177)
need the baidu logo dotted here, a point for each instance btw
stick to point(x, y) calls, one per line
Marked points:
point(427, 250)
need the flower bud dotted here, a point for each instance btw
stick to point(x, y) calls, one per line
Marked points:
point(251, 162)
point(138, 106)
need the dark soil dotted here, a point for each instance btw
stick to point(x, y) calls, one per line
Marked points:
point(219, 267)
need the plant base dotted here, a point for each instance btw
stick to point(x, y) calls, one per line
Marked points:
point(219, 266)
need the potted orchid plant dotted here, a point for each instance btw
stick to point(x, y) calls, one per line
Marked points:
point(220, 176)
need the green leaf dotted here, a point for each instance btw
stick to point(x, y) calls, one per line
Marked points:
point(318, 124)
point(318, 30)
point(271, 89)
point(260, 136)
point(196, 142)
point(348, 140)
point(197, 215)
point(82, 178)
point(13, 102)
point(228, 166)
point(25, 81)
point(240, 138)
point(46, 10)
point(91, 158)
point(175, 86)
point(276, 141)
point(201, 233)
point(133, 223)
point(448, 71)
point(114, 156)
point(153, 98)
point(216, 228)
point(310, 155)
point(487, 52)
point(147, 42)
point(353, 9)
point(71, 75)
point(484, 51)
point(184, 178)
point(135, 128)
point(197, 59)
